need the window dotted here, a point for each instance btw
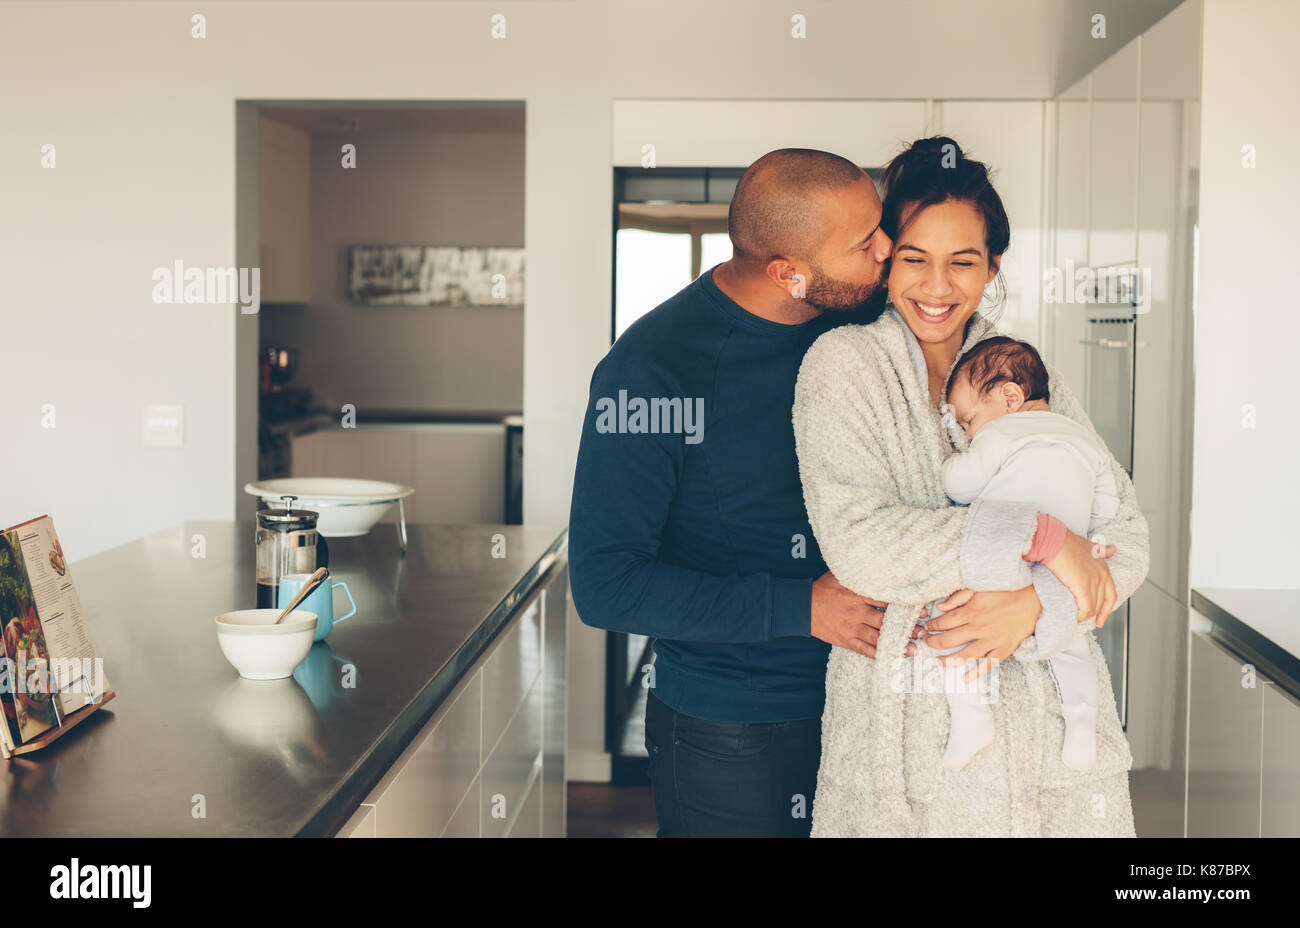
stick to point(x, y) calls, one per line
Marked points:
point(670, 227)
point(715, 247)
point(649, 268)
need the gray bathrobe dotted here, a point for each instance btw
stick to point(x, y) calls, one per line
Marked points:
point(871, 447)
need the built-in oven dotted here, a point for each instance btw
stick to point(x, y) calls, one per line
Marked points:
point(1111, 358)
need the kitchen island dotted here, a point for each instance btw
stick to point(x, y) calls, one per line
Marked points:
point(437, 709)
point(1243, 747)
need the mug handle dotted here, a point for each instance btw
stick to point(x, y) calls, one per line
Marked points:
point(352, 601)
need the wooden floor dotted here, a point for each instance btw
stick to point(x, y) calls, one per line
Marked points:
point(598, 810)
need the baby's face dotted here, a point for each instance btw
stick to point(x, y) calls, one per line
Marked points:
point(972, 411)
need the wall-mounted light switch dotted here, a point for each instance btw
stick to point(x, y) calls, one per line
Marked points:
point(164, 426)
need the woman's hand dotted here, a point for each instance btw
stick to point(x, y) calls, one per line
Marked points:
point(994, 624)
point(1082, 567)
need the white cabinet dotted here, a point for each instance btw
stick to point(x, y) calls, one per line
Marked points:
point(1243, 755)
point(1162, 408)
point(465, 822)
point(283, 212)
point(1112, 242)
point(529, 822)
point(555, 707)
point(490, 762)
point(513, 769)
point(1068, 318)
point(1157, 713)
point(1123, 192)
point(511, 672)
point(369, 452)
point(1113, 168)
point(1007, 135)
point(458, 470)
point(684, 133)
point(1224, 744)
point(1280, 787)
point(422, 790)
point(1167, 215)
point(361, 825)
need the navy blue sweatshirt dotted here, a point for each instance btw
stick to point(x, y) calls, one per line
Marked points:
point(688, 522)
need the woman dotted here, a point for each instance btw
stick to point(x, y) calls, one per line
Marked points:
point(871, 443)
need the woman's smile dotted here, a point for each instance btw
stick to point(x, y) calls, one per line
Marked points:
point(933, 312)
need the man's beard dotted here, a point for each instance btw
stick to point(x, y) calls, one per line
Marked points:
point(831, 295)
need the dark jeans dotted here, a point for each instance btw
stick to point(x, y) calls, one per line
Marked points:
point(731, 779)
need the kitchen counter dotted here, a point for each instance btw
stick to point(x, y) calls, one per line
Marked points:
point(1263, 625)
point(326, 419)
point(189, 749)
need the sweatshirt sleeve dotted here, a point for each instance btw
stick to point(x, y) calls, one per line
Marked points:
point(1127, 531)
point(1105, 495)
point(873, 542)
point(967, 473)
point(624, 487)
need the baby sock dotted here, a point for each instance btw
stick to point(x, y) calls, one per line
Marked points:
point(1080, 749)
point(970, 729)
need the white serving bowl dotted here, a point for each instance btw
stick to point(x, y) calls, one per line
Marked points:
point(260, 650)
point(347, 506)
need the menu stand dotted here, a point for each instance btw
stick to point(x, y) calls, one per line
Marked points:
point(70, 721)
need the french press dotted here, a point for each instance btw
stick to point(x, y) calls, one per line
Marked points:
point(287, 543)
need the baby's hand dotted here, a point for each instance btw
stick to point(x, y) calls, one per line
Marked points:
point(948, 416)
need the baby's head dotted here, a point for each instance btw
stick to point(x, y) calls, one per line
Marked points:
point(1000, 375)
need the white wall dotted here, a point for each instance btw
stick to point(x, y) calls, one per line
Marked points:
point(1244, 507)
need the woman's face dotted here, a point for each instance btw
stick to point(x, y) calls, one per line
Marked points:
point(939, 269)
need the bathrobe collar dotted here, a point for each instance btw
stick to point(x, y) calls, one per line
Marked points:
point(977, 329)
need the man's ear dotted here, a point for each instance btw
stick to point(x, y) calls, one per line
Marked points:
point(788, 277)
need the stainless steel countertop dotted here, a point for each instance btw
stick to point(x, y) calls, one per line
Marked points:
point(1260, 624)
point(276, 758)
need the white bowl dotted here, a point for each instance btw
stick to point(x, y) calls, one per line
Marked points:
point(347, 506)
point(260, 650)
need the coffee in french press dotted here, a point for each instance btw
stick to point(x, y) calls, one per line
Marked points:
point(287, 543)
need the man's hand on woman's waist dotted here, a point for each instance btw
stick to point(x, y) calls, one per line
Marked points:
point(842, 618)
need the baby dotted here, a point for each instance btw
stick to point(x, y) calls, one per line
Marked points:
point(1022, 451)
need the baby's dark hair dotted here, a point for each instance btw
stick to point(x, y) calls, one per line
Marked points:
point(1001, 359)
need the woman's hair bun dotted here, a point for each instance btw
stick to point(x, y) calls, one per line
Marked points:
point(933, 170)
point(935, 147)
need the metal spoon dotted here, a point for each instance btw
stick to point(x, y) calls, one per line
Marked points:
point(312, 582)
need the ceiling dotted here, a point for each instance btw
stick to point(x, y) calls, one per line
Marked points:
point(1075, 52)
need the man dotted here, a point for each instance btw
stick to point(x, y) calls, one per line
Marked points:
point(688, 522)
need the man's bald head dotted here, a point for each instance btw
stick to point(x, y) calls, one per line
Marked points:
point(777, 210)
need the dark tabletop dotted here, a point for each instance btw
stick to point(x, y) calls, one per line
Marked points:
point(276, 758)
point(1263, 625)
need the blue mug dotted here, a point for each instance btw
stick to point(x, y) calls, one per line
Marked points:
point(319, 601)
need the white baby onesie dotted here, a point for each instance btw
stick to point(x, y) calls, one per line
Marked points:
point(1054, 462)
